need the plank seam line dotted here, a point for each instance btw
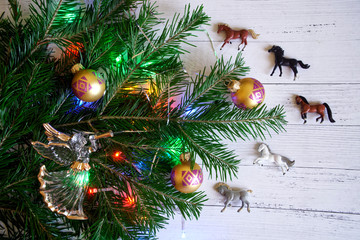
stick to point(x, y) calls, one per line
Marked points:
point(310, 83)
point(293, 167)
point(292, 209)
point(315, 125)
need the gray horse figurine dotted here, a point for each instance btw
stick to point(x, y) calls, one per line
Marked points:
point(232, 195)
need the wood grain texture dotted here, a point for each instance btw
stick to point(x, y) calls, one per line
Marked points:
point(280, 20)
point(310, 189)
point(329, 64)
point(338, 148)
point(265, 224)
point(319, 197)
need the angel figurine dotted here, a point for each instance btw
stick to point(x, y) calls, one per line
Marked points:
point(64, 191)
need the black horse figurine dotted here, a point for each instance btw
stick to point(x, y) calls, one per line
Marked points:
point(281, 60)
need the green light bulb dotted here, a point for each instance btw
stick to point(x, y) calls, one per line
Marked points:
point(119, 58)
point(70, 17)
point(82, 178)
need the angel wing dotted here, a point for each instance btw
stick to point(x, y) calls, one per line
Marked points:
point(52, 132)
point(58, 148)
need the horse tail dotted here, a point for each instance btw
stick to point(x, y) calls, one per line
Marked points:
point(253, 34)
point(306, 66)
point(329, 112)
point(289, 162)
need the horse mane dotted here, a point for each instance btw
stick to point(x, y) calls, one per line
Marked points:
point(221, 184)
point(304, 99)
point(224, 25)
point(265, 146)
point(280, 50)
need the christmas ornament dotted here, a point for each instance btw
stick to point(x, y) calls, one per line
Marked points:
point(318, 108)
point(64, 191)
point(183, 178)
point(281, 60)
point(86, 84)
point(232, 34)
point(283, 162)
point(247, 92)
point(233, 195)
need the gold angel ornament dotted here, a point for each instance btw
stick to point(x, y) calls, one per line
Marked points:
point(64, 191)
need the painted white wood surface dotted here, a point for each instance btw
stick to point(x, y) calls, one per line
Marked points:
point(319, 198)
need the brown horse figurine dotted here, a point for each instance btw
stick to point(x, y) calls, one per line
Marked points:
point(232, 34)
point(319, 108)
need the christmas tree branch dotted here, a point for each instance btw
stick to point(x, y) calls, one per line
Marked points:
point(138, 184)
point(110, 206)
point(212, 159)
point(52, 18)
point(72, 31)
point(161, 197)
point(138, 147)
point(60, 103)
point(20, 105)
point(35, 221)
point(177, 120)
point(204, 150)
point(180, 34)
point(99, 20)
point(42, 40)
point(148, 131)
point(17, 182)
point(219, 74)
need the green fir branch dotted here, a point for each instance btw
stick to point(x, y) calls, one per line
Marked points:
point(205, 89)
point(35, 89)
point(177, 31)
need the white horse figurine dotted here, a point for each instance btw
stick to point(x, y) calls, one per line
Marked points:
point(279, 160)
point(232, 195)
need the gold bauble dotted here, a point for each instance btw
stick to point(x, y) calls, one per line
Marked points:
point(88, 86)
point(184, 179)
point(247, 92)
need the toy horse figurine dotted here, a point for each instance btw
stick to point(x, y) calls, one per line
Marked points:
point(279, 160)
point(232, 195)
point(281, 60)
point(319, 108)
point(232, 34)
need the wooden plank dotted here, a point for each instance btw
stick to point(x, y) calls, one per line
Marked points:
point(264, 224)
point(315, 146)
point(319, 197)
point(342, 99)
point(326, 61)
point(312, 189)
point(338, 96)
point(280, 20)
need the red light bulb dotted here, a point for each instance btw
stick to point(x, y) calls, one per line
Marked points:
point(92, 190)
point(117, 155)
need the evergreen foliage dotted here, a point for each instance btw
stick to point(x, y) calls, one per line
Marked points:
point(130, 51)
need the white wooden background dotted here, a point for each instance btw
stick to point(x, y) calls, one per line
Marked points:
point(319, 198)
